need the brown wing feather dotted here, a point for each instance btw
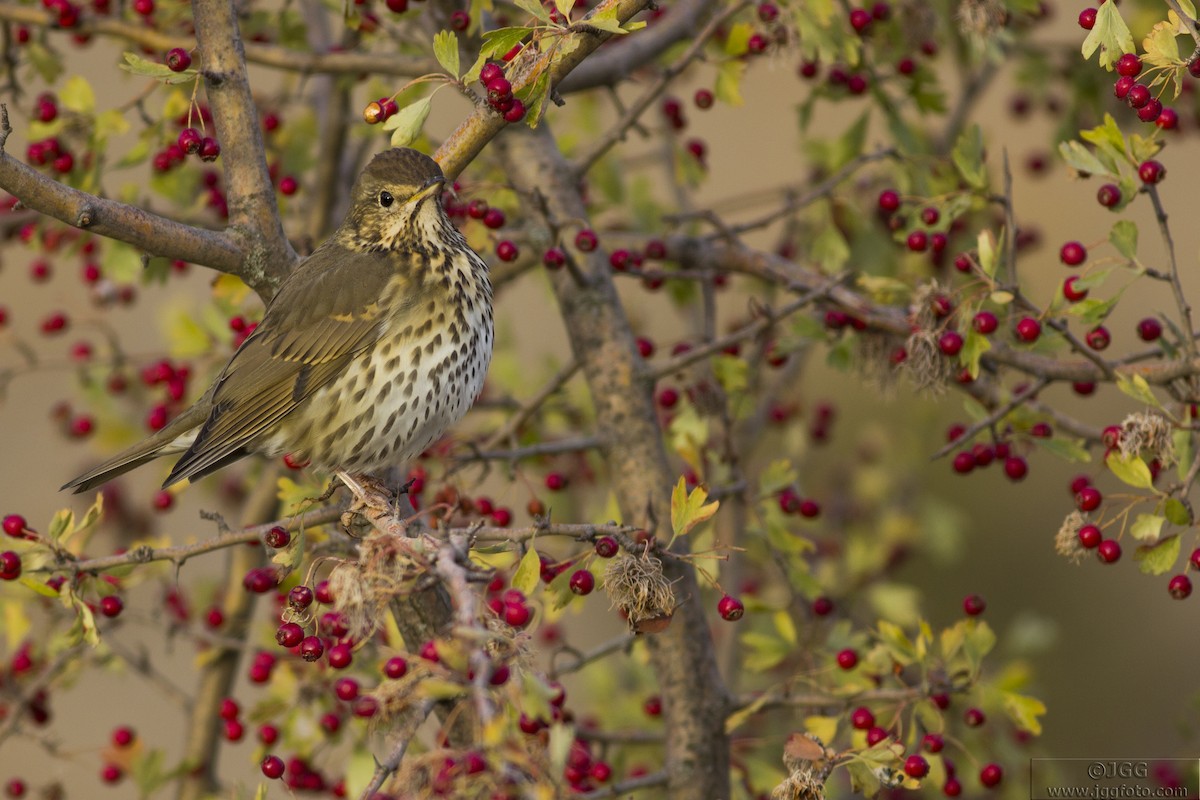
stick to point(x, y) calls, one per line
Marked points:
point(322, 316)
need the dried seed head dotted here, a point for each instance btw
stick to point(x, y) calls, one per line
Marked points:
point(981, 19)
point(1148, 433)
point(930, 369)
point(362, 589)
point(637, 586)
point(808, 763)
point(1066, 541)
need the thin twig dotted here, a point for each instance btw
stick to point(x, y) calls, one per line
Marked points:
point(530, 406)
point(534, 450)
point(384, 769)
point(647, 781)
point(991, 419)
point(613, 645)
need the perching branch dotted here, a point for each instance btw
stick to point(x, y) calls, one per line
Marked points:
point(386, 768)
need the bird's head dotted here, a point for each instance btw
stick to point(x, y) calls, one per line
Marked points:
point(397, 199)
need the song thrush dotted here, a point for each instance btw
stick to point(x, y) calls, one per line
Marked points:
point(371, 348)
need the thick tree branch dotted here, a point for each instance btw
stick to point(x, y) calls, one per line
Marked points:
point(694, 698)
point(253, 214)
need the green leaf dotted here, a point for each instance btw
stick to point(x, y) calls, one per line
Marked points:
point(1176, 512)
point(1065, 448)
point(830, 249)
point(528, 573)
point(979, 642)
point(968, 157)
point(1110, 35)
point(47, 64)
point(534, 95)
point(187, 338)
point(407, 123)
point(1024, 711)
point(989, 252)
point(737, 43)
point(77, 95)
point(1136, 387)
point(731, 372)
point(1147, 527)
point(1132, 470)
point(729, 81)
point(898, 645)
point(778, 474)
point(1092, 311)
point(498, 42)
point(121, 263)
point(445, 50)
point(564, 8)
point(689, 509)
point(150, 69)
point(762, 651)
point(1158, 559)
point(1081, 159)
point(974, 346)
point(534, 8)
point(61, 524)
point(1161, 49)
point(1125, 238)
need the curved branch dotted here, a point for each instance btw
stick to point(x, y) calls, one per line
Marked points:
point(129, 224)
point(473, 133)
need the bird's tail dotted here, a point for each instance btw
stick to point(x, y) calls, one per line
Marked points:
point(174, 438)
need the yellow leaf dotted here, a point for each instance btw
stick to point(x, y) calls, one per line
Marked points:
point(689, 510)
point(528, 573)
point(16, 624)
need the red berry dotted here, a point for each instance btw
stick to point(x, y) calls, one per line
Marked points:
point(1088, 499)
point(1109, 551)
point(730, 608)
point(111, 606)
point(1089, 536)
point(653, 706)
point(1109, 195)
point(1069, 290)
point(289, 634)
point(606, 547)
point(822, 606)
point(123, 736)
point(178, 59)
point(991, 775)
point(1151, 172)
point(916, 766)
point(860, 20)
point(952, 787)
point(300, 597)
point(1149, 329)
point(582, 582)
point(917, 241)
point(1122, 87)
point(506, 250)
point(985, 322)
point(973, 605)
point(272, 767)
point(862, 719)
point(1098, 338)
point(10, 566)
point(460, 20)
point(1129, 65)
point(703, 98)
point(312, 648)
point(15, 526)
point(1138, 95)
point(277, 537)
point(1073, 254)
point(395, 667)
point(323, 593)
point(933, 743)
point(757, 43)
point(586, 240)
point(111, 773)
point(963, 463)
point(209, 149)
point(889, 201)
point(847, 659)
point(1028, 329)
point(876, 735)
point(1087, 18)
point(1151, 111)
point(1015, 468)
point(515, 112)
point(1168, 119)
point(1180, 587)
point(974, 717)
point(950, 343)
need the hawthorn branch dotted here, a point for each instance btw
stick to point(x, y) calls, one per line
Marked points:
point(569, 51)
point(388, 767)
point(1181, 301)
point(648, 781)
point(253, 215)
point(530, 406)
point(130, 224)
point(449, 567)
point(991, 419)
point(534, 450)
point(613, 645)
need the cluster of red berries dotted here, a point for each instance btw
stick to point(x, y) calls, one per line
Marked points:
point(51, 151)
point(499, 93)
point(981, 455)
point(1137, 95)
point(301, 776)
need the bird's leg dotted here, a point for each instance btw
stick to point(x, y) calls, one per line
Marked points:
point(372, 500)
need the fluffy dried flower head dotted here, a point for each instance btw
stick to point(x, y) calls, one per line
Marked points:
point(874, 361)
point(930, 369)
point(923, 311)
point(1148, 433)
point(808, 763)
point(637, 586)
point(981, 19)
point(802, 784)
point(362, 589)
point(1066, 541)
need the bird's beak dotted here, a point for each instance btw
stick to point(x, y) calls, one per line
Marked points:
point(432, 186)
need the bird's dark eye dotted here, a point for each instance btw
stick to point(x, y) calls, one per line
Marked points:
point(386, 199)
